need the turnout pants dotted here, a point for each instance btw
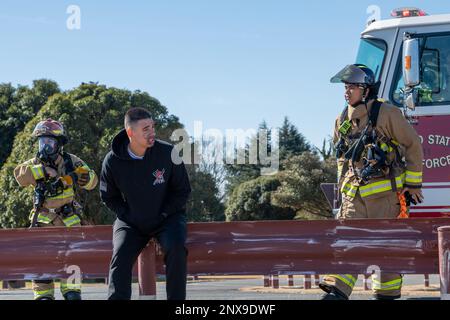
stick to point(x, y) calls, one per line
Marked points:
point(46, 288)
point(388, 207)
point(128, 242)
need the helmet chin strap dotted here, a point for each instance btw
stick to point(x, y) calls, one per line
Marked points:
point(364, 98)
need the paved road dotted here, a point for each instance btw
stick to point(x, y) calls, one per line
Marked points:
point(246, 289)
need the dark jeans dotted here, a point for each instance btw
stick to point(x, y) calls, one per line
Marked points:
point(128, 242)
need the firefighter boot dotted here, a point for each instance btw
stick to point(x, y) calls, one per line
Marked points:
point(383, 297)
point(332, 293)
point(72, 295)
point(45, 298)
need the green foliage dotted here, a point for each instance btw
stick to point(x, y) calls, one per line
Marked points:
point(328, 150)
point(92, 114)
point(292, 142)
point(204, 204)
point(239, 173)
point(17, 107)
point(300, 184)
point(252, 200)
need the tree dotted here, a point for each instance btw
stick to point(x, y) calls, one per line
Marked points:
point(92, 114)
point(204, 203)
point(18, 106)
point(239, 173)
point(300, 184)
point(292, 142)
point(252, 200)
point(328, 150)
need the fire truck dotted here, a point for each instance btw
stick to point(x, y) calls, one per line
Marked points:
point(410, 55)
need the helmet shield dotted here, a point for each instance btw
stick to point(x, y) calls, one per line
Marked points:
point(356, 74)
point(48, 145)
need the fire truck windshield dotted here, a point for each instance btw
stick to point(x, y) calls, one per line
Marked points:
point(371, 53)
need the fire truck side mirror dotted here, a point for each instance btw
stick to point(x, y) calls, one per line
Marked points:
point(411, 62)
point(411, 72)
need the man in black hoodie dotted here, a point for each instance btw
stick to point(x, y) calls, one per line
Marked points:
point(148, 192)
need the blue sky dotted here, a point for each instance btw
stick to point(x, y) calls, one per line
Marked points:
point(230, 64)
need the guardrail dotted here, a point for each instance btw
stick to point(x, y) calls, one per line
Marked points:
point(407, 246)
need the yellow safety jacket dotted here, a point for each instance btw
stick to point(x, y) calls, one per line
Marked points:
point(397, 138)
point(29, 172)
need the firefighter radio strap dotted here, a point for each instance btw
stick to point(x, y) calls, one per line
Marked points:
point(46, 188)
point(374, 148)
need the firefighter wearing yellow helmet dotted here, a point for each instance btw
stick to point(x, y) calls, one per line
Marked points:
point(55, 175)
point(379, 157)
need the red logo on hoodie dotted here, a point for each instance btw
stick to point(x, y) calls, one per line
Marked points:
point(159, 176)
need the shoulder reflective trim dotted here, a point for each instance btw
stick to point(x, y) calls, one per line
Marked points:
point(44, 293)
point(348, 279)
point(43, 219)
point(37, 171)
point(68, 193)
point(414, 177)
point(72, 220)
point(349, 190)
point(380, 186)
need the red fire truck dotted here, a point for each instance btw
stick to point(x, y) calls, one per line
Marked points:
point(410, 55)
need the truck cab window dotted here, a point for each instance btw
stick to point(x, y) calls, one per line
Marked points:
point(371, 53)
point(434, 87)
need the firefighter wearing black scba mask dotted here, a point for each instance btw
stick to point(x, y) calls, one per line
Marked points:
point(55, 175)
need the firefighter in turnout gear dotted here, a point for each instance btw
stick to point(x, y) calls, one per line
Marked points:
point(379, 157)
point(55, 175)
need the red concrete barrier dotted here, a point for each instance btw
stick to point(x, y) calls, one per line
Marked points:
point(407, 246)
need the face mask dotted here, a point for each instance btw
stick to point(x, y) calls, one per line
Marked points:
point(48, 149)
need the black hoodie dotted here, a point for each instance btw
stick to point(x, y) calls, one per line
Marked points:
point(143, 192)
